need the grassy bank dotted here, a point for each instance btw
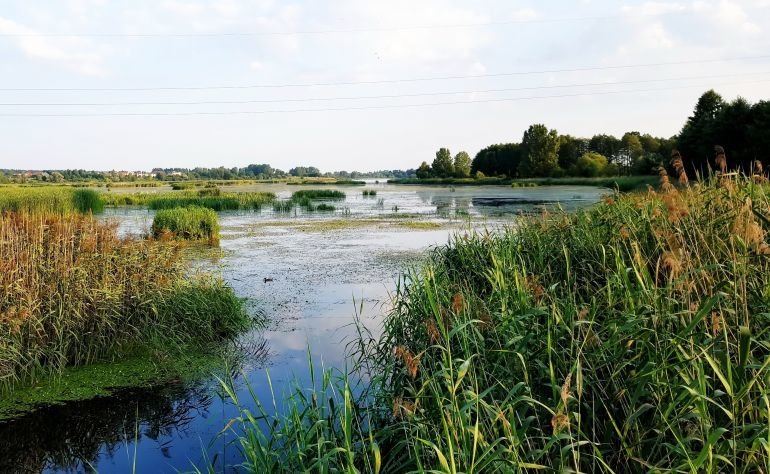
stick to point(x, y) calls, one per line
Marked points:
point(57, 200)
point(74, 293)
point(619, 183)
point(629, 337)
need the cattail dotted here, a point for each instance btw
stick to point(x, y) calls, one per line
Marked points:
point(721, 159)
point(433, 333)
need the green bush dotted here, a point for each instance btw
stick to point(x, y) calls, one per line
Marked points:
point(187, 223)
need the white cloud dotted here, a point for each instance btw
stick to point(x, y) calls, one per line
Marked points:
point(70, 52)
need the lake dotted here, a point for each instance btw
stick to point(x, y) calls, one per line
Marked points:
point(309, 275)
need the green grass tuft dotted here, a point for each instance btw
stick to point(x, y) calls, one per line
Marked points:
point(187, 223)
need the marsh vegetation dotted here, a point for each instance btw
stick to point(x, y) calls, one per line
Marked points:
point(629, 337)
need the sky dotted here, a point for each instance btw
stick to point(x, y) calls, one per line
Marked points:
point(354, 84)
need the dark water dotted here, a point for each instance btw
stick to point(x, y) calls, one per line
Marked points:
point(325, 268)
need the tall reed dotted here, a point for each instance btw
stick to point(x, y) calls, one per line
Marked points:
point(73, 292)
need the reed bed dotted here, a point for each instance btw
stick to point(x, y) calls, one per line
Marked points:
point(369, 193)
point(186, 223)
point(217, 201)
point(629, 337)
point(318, 194)
point(59, 200)
point(72, 293)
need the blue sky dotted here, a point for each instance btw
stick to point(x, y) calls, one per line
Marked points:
point(191, 44)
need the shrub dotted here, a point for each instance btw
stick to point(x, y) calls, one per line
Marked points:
point(187, 223)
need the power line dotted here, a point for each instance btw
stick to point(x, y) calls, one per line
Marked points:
point(327, 31)
point(373, 107)
point(382, 81)
point(386, 96)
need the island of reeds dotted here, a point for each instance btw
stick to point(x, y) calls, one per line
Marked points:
point(76, 293)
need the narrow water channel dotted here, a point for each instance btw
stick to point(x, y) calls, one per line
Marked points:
point(320, 270)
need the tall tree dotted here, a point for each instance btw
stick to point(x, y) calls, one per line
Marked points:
point(496, 160)
point(696, 140)
point(606, 145)
point(462, 165)
point(570, 149)
point(540, 151)
point(442, 164)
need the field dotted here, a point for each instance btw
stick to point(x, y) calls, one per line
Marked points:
point(629, 337)
point(208, 198)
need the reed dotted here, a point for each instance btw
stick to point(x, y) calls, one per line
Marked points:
point(209, 198)
point(50, 199)
point(75, 293)
point(186, 223)
point(330, 194)
point(369, 193)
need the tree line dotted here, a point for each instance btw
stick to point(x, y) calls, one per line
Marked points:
point(741, 128)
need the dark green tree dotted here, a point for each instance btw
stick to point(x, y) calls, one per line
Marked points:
point(540, 154)
point(424, 171)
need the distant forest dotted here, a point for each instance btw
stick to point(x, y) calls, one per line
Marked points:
point(741, 128)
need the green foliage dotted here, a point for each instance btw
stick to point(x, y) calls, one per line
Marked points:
point(369, 193)
point(591, 165)
point(424, 171)
point(187, 223)
point(462, 165)
point(443, 166)
point(498, 160)
point(540, 151)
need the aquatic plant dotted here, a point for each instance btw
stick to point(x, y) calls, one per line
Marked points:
point(331, 194)
point(50, 199)
point(325, 207)
point(208, 198)
point(186, 223)
point(283, 206)
point(369, 193)
point(74, 292)
point(628, 337)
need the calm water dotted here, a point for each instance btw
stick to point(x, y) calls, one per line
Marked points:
point(324, 268)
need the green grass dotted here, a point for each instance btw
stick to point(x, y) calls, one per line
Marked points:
point(50, 199)
point(209, 198)
point(369, 193)
point(629, 337)
point(187, 223)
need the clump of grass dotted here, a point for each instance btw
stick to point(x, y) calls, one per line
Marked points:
point(58, 199)
point(325, 207)
point(369, 193)
point(181, 185)
point(208, 198)
point(74, 293)
point(629, 337)
point(283, 206)
point(187, 223)
point(330, 194)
